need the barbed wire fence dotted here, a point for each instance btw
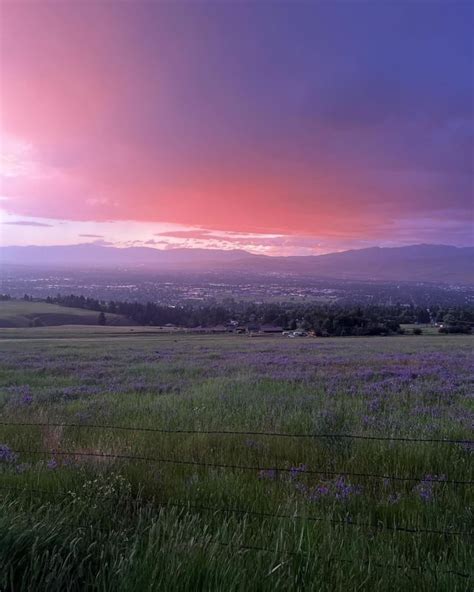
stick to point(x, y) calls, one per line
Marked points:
point(253, 468)
point(238, 432)
point(273, 550)
point(377, 527)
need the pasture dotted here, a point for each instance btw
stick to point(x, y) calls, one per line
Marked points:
point(244, 472)
point(24, 313)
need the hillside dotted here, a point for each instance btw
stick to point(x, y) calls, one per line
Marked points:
point(415, 263)
point(21, 313)
point(94, 256)
point(418, 263)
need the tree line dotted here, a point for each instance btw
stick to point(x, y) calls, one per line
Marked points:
point(322, 319)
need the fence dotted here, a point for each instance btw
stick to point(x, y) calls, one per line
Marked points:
point(238, 433)
point(277, 516)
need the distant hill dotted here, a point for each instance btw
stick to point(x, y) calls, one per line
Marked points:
point(92, 255)
point(424, 263)
point(22, 313)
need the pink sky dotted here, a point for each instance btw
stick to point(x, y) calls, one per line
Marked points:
point(234, 126)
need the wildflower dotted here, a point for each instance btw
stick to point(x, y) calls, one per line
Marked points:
point(394, 498)
point(318, 492)
point(425, 488)
point(296, 471)
point(344, 490)
point(467, 447)
point(52, 464)
point(26, 400)
point(425, 491)
point(6, 454)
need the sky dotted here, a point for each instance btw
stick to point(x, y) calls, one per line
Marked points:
point(280, 127)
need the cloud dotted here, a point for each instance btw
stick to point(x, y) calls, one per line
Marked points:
point(258, 243)
point(91, 235)
point(102, 243)
point(164, 116)
point(198, 233)
point(28, 223)
point(152, 241)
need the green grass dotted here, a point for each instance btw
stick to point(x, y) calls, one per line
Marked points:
point(22, 313)
point(426, 329)
point(87, 522)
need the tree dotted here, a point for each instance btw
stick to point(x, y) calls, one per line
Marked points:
point(450, 318)
point(102, 320)
point(422, 316)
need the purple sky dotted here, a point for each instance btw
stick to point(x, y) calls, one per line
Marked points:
point(281, 127)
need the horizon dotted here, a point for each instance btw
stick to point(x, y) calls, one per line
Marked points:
point(168, 248)
point(443, 264)
point(276, 129)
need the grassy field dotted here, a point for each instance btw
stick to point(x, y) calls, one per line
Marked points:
point(88, 506)
point(22, 313)
point(426, 329)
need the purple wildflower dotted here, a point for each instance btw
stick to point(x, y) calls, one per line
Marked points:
point(425, 491)
point(339, 489)
point(267, 474)
point(7, 455)
point(295, 472)
point(467, 447)
point(344, 490)
point(318, 492)
point(394, 498)
point(425, 488)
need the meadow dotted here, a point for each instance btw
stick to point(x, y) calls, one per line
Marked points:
point(25, 313)
point(186, 462)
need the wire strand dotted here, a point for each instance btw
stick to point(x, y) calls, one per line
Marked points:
point(239, 433)
point(263, 549)
point(240, 511)
point(151, 459)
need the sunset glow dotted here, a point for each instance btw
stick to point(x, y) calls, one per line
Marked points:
point(236, 125)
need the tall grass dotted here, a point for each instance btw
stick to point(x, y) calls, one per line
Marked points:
point(73, 521)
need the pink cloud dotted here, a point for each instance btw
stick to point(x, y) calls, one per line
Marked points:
point(143, 116)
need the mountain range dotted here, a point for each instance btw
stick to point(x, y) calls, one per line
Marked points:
point(423, 263)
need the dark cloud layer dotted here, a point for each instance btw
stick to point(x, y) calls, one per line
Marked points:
point(28, 223)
